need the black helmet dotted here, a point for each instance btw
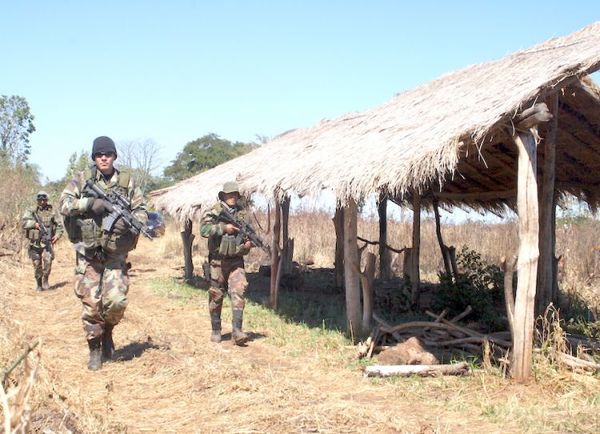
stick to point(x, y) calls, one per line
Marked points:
point(103, 144)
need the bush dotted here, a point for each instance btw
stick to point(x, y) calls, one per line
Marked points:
point(479, 285)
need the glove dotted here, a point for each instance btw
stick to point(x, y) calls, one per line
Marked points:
point(99, 206)
point(120, 227)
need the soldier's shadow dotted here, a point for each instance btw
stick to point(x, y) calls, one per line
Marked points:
point(133, 350)
point(57, 285)
point(251, 337)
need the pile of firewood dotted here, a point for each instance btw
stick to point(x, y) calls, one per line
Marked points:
point(440, 333)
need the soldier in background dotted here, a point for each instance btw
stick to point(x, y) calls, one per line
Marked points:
point(101, 279)
point(226, 259)
point(43, 229)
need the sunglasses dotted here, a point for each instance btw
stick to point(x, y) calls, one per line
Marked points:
point(104, 154)
point(42, 198)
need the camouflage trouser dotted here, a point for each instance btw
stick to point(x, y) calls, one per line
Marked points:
point(42, 261)
point(102, 288)
point(227, 275)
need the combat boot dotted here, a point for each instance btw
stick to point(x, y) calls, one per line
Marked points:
point(95, 362)
point(108, 346)
point(215, 322)
point(38, 281)
point(238, 336)
point(45, 285)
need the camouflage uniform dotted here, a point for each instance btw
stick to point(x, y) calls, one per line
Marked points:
point(101, 281)
point(41, 253)
point(226, 259)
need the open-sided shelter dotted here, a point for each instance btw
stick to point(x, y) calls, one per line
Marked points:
point(518, 131)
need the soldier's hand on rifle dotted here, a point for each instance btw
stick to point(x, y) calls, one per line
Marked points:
point(120, 227)
point(36, 226)
point(248, 244)
point(99, 206)
point(54, 239)
point(230, 229)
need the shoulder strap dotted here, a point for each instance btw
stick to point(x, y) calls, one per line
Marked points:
point(90, 172)
point(124, 178)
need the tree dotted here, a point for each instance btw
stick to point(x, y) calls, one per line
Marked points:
point(16, 124)
point(203, 154)
point(139, 156)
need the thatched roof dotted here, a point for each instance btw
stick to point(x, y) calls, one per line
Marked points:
point(451, 134)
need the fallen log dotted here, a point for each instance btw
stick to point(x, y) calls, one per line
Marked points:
point(420, 370)
point(577, 363)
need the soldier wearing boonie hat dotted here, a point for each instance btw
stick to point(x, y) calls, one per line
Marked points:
point(42, 239)
point(226, 260)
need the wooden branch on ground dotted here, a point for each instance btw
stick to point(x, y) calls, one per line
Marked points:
point(421, 370)
point(576, 363)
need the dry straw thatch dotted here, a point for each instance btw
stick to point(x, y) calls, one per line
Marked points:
point(450, 137)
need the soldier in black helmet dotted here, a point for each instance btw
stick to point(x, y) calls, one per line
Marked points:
point(102, 280)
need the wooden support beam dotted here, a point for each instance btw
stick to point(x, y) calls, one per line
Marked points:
point(533, 116)
point(483, 196)
point(187, 238)
point(286, 257)
point(351, 270)
point(438, 232)
point(275, 252)
point(528, 226)
point(416, 248)
point(367, 279)
point(385, 264)
point(338, 224)
point(547, 197)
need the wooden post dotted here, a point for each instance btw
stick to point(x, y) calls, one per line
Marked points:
point(416, 243)
point(385, 264)
point(438, 232)
point(527, 206)
point(546, 275)
point(338, 223)
point(275, 250)
point(286, 266)
point(367, 280)
point(187, 238)
point(351, 269)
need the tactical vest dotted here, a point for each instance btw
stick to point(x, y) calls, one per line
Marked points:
point(225, 246)
point(87, 230)
point(45, 217)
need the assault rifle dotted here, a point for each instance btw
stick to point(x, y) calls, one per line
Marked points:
point(244, 229)
point(46, 236)
point(119, 208)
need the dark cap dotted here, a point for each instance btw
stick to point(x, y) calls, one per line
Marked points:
point(103, 144)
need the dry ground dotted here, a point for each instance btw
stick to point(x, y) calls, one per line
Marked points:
point(169, 378)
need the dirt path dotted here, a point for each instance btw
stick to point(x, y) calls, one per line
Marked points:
point(169, 378)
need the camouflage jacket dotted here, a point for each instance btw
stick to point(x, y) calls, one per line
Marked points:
point(221, 245)
point(74, 204)
point(46, 216)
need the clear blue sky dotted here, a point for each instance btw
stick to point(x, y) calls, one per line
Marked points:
point(173, 71)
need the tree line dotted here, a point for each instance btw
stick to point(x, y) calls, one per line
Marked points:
point(138, 156)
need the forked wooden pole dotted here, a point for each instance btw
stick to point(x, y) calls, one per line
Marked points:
point(527, 206)
point(351, 269)
point(385, 268)
point(275, 251)
point(416, 249)
point(546, 275)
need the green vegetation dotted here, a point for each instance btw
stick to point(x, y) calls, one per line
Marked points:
point(479, 285)
point(16, 124)
point(307, 330)
point(203, 154)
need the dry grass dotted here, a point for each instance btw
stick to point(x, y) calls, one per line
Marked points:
point(295, 376)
